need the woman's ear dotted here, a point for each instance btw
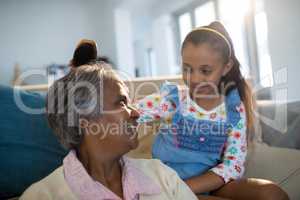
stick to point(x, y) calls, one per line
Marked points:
point(89, 127)
point(227, 67)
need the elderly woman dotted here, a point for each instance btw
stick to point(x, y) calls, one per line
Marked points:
point(89, 110)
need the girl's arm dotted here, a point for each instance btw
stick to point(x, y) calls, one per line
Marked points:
point(205, 183)
point(233, 161)
point(234, 158)
point(155, 107)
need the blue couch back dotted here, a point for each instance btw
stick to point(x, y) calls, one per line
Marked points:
point(29, 151)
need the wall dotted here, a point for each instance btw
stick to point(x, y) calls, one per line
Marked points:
point(154, 28)
point(37, 33)
point(125, 51)
point(284, 42)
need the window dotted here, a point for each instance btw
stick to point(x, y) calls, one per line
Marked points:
point(233, 18)
point(264, 58)
point(185, 25)
point(151, 60)
point(205, 14)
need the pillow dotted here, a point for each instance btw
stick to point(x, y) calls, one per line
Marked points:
point(29, 150)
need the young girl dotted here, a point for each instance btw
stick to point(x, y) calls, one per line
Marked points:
point(203, 131)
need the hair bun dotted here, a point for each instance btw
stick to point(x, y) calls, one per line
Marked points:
point(218, 26)
point(85, 52)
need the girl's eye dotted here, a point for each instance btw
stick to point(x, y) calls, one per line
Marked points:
point(205, 71)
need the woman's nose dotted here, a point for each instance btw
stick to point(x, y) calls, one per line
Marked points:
point(134, 112)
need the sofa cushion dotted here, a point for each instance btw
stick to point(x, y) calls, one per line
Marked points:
point(286, 116)
point(280, 165)
point(28, 149)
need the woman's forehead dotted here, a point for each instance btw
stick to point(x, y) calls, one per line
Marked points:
point(116, 88)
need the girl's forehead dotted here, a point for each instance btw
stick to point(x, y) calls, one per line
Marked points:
point(191, 48)
point(202, 52)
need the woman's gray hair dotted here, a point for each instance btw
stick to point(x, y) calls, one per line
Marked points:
point(77, 95)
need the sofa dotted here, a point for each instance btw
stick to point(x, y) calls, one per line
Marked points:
point(29, 151)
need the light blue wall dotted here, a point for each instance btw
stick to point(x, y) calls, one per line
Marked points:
point(36, 33)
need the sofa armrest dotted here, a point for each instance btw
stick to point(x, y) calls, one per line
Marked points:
point(281, 165)
point(291, 185)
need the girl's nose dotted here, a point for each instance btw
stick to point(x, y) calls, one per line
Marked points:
point(196, 78)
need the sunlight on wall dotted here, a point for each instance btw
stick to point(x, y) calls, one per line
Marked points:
point(233, 17)
point(185, 25)
point(205, 14)
point(234, 9)
point(261, 27)
point(124, 41)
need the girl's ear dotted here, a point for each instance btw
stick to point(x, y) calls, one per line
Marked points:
point(228, 67)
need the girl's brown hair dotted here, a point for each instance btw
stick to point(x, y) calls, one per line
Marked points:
point(233, 78)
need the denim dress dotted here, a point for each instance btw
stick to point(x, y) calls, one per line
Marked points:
point(191, 146)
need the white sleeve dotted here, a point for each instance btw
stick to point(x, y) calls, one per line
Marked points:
point(178, 188)
point(36, 192)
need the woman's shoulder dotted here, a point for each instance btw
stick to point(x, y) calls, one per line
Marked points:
point(153, 167)
point(49, 187)
point(158, 173)
point(167, 179)
point(142, 163)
